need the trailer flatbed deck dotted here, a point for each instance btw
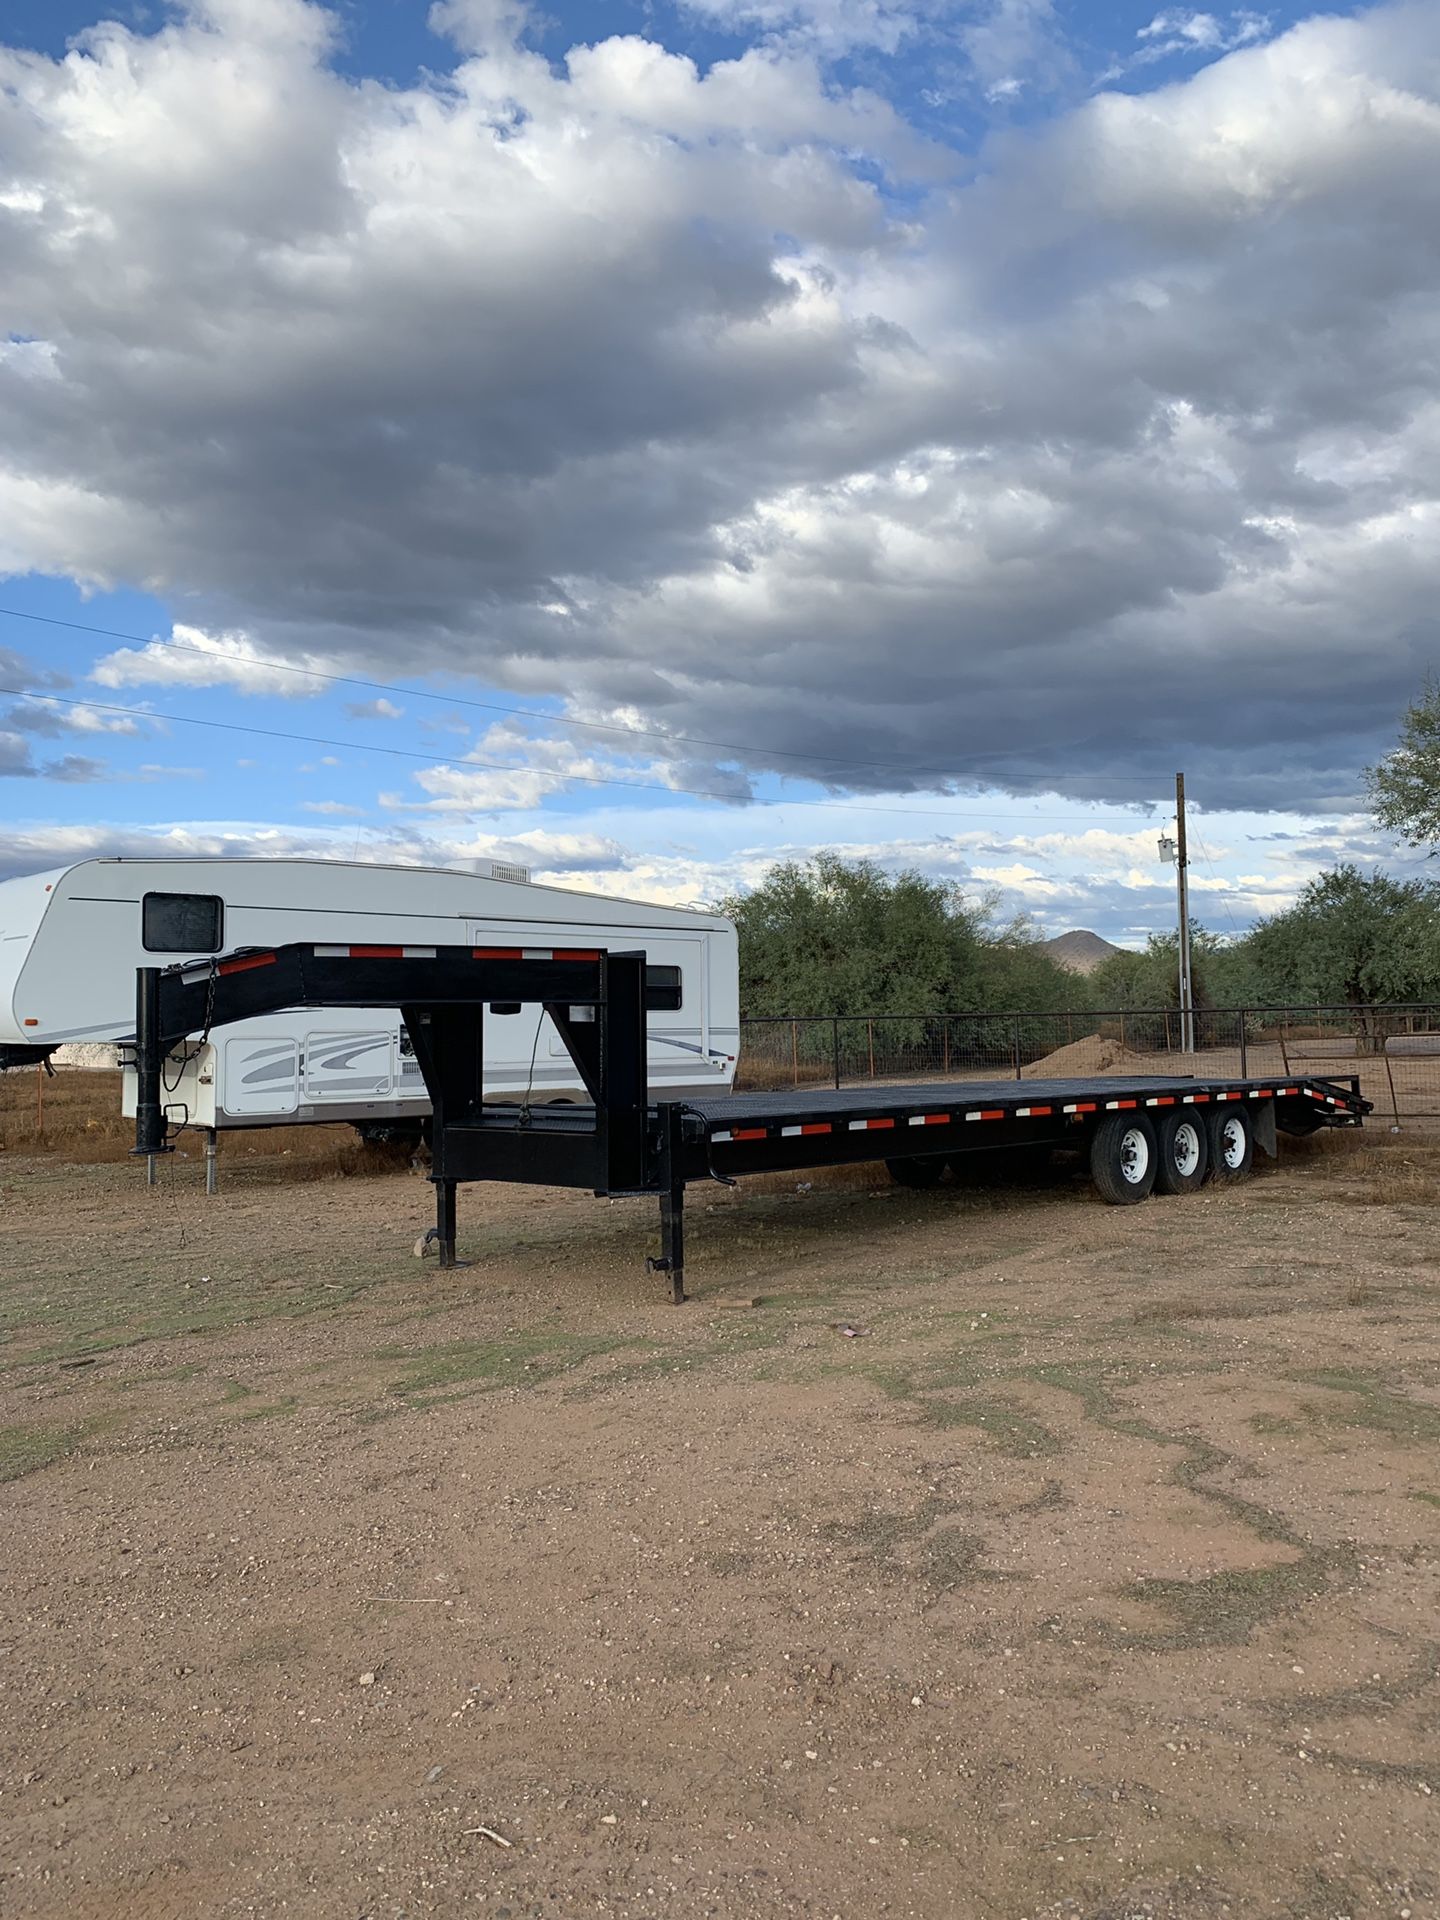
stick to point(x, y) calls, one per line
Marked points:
point(1165, 1133)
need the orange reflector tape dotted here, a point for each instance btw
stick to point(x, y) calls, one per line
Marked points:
point(929, 1119)
point(1082, 1106)
point(1165, 1100)
point(869, 1126)
point(810, 1126)
point(988, 1113)
point(246, 962)
point(1113, 1106)
point(1031, 1113)
point(32, 1023)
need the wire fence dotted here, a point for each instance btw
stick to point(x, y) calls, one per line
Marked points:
point(1394, 1051)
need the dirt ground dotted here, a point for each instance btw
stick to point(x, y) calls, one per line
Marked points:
point(1096, 1575)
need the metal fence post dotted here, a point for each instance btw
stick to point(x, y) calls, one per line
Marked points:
point(1016, 1043)
point(835, 1045)
point(795, 1053)
point(1244, 1045)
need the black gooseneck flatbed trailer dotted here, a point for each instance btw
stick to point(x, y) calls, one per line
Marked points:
point(1165, 1133)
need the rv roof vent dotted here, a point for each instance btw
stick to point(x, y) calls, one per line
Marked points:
point(505, 870)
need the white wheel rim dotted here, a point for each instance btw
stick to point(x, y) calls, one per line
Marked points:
point(1134, 1156)
point(1232, 1143)
point(1187, 1150)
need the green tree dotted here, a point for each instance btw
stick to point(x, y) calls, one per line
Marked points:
point(1405, 786)
point(837, 936)
point(1351, 939)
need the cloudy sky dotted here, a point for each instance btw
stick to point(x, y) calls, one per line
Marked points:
point(647, 439)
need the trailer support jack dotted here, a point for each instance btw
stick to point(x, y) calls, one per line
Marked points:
point(672, 1240)
point(444, 1232)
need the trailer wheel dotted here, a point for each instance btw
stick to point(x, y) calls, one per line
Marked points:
point(1232, 1143)
point(914, 1171)
point(1182, 1153)
point(1122, 1158)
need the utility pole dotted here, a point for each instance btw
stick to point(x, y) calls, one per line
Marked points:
point(1182, 863)
point(1178, 851)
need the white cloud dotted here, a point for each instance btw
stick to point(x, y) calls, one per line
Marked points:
point(381, 709)
point(825, 439)
point(195, 658)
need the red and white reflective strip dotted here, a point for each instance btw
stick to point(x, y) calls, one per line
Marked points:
point(739, 1133)
point(810, 1126)
point(1032, 1113)
point(1229, 1096)
point(1262, 1093)
point(535, 953)
point(987, 1113)
point(1286, 1093)
point(1081, 1106)
point(1164, 1100)
point(374, 953)
point(1196, 1100)
point(204, 969)
point(870, 1126)
point(929, 1120)
point(1114, 1106)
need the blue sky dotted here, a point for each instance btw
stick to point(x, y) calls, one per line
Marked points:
point(917, 429)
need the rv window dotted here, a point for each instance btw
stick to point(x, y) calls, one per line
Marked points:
point(662, 990)
point(182, 923)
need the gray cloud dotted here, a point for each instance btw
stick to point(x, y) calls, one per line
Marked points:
point(1120, 455)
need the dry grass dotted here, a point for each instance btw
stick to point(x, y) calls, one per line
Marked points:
point(75, 1116)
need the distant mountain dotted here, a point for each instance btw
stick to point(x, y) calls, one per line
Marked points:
point(1078, 952)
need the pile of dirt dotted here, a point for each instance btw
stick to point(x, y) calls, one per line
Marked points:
point(1093, 1054)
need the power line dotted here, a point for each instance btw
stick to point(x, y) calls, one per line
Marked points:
point(517, 713)
point(492, 766)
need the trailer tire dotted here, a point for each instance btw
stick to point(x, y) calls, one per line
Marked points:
point(917, 1171)
point(1232, 1142)
point(1182, 1152)
point(1123, 1158)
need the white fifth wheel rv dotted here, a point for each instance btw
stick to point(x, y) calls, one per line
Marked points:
point(71, 940)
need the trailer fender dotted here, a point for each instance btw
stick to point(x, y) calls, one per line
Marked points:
point(1262, 1119)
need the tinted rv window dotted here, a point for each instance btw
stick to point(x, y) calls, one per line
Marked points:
point(182, 923)
point(662, 989)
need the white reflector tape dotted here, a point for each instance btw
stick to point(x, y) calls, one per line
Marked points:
point(418, 953)
point(542, 953)
point(720, 1136)
point(332, 953)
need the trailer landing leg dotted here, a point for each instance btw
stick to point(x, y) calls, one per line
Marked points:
point(444, 1231)
point(672, 1241)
